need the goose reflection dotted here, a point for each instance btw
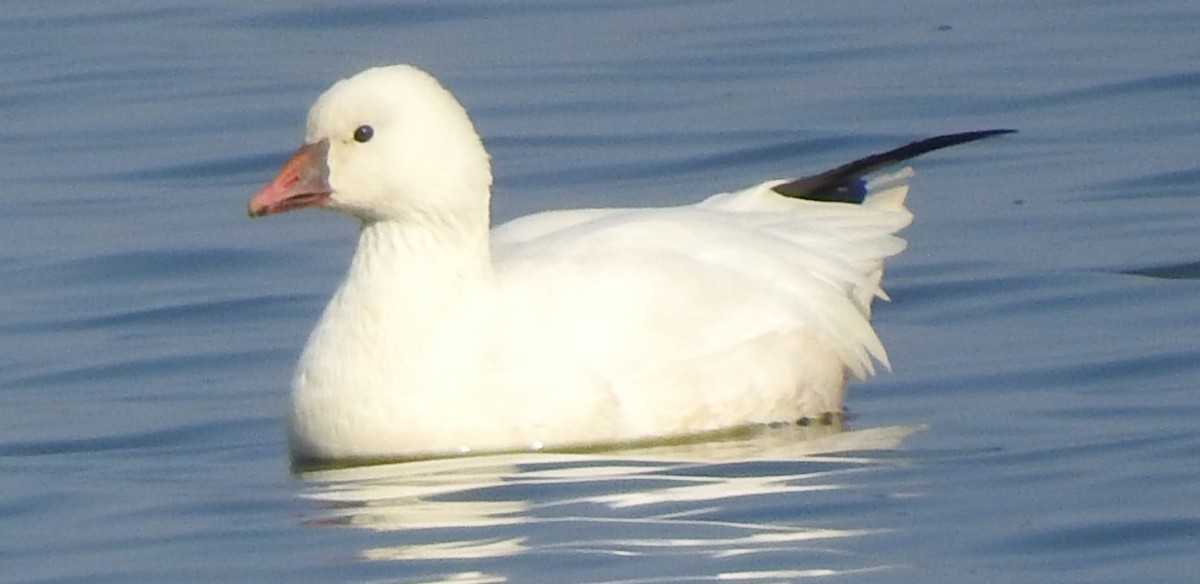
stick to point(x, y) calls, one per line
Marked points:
point(678, 501)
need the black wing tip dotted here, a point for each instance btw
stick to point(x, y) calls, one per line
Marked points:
point(911, 150)
point(844, 184)
point(964, 137)
point(985, 133)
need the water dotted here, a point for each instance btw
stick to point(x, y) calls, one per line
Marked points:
point(1040, 425)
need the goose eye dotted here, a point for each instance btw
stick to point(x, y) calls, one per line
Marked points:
point(363, 134)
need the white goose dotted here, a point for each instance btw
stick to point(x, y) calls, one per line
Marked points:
point(568, 328)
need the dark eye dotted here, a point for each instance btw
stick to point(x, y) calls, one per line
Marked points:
point(363, 133)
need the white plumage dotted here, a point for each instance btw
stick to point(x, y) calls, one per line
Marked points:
point(567, 328)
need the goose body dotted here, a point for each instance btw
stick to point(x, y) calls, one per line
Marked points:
point(574, 327)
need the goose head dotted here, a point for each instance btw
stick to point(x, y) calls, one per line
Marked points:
point(388, 144)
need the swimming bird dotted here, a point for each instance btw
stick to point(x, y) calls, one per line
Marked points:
point(568, 328)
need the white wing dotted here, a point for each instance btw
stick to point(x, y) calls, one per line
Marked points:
point(746, 298)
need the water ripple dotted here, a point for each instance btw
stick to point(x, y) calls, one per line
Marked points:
point(645, 503)
point(1184, 271)
point(158, 440)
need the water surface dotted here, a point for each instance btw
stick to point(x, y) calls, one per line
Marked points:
point(1040, 424)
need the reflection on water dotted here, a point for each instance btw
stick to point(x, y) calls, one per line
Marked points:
point(703, 503)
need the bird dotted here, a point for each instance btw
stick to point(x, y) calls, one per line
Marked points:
point(569, 328)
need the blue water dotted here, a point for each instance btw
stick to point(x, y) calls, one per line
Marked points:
point(1042, 423)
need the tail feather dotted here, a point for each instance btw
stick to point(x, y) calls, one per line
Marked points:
point(889, 191)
